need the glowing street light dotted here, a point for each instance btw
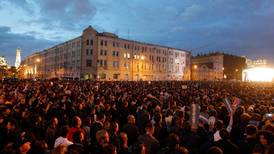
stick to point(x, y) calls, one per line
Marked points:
point(142, 57)
point(195, 67)
point(38, 60)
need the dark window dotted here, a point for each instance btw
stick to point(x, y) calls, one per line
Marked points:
point(105, 52)
point(113, 53)
point(102, 42)
point(91, 42)
point(101, 52)
point(113, 44)
point(91, 51)
point(117, 53)
point(89, 62)
point(106, 43)
point(87, 42)
point(115, 76)
point(87, 51)
point(105, 63)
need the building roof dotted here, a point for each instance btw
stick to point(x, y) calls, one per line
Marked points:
point(111, 35)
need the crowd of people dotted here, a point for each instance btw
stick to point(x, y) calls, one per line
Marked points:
point(124, 117)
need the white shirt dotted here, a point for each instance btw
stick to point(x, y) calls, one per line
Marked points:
point(62, 141)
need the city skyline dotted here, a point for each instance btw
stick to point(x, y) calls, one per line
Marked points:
point(241, 28)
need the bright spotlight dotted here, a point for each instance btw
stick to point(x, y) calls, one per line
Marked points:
point(259, 74)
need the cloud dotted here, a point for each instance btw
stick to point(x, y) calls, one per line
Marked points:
point(10, 41)
point(65, 14)
point(240, 27)
point(192, 12)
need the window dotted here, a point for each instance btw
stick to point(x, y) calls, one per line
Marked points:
point(102, 42)
point(105, 63)
point(87, 42)
point(115, 76)
point(115, 64)
point(87, 52)
point(105, 53)
point(127, 65)
point(89, 63)
point(91, 52)
point(106, 43)
point(113, 44)
point(101, 52)
point(115, 53)
point(91, 42)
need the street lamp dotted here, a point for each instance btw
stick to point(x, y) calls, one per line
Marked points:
point(38, 60)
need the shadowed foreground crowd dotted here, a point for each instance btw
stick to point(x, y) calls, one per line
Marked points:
point(75, 117)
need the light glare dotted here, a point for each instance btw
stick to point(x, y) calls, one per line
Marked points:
point(258, 74)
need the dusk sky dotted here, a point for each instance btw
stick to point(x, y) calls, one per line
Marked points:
point(241, 27)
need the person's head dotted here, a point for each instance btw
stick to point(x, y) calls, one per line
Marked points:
point(214, 150)
point(78, 137)
point(265, 137)
point(131, 119)
point(150, 128)
point(173, 141)
point(11, 125)
point(158, 109)
point(76, 122)
point(114, 127)
point(219, 124)
point(88, 121)
point(251, 130)
point(102, 137)
point(224, 134)
point(124, 138)
point(7, 111)
point(54, 121)
point(139, 149)
point(101, 117)
point(158, 117)
point(42, 146)
point(64, 131)
point(24, 147)
point(61, 149)
point(109, 149)
point(268, 127)
point(1, 119)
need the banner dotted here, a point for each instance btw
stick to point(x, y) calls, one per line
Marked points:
point(194, 115)
point(204, 117)
point(236, 103)
point(228, 105)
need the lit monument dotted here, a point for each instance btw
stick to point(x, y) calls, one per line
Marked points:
point(18, 58)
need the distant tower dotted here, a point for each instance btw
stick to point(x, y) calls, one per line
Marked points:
point(18, 58)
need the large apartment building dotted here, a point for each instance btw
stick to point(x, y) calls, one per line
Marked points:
point(105, 56)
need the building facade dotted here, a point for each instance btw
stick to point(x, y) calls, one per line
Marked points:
point(256, 63)
point(217, 66)
point(105, 56)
